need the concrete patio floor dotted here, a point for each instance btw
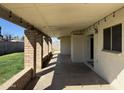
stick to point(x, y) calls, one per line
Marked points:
point(61, 73)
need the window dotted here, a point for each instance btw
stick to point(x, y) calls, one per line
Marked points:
point(113, 38)
point(116, 37)
point(107, 38)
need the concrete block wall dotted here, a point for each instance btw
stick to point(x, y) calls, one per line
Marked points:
point(7, 47)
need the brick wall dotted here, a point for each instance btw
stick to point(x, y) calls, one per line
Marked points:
point(19, 81)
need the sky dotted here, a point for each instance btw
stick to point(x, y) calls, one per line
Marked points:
point(9, 28)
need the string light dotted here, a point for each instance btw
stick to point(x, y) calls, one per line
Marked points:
point(98, 22)
point(105, 19)
point(20, 20)
point(10, 14)
point(113, 14)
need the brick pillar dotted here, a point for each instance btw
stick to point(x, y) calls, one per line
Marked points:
point(30, 49)
point(47, 41)
point(39, 52)
point(45, 46)
point(50, 46)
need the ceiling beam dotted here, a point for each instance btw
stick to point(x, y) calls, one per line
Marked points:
point(10, 16)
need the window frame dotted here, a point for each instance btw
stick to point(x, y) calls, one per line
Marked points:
point(111, 35)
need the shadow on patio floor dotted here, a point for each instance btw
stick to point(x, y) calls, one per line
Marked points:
point(65, 73)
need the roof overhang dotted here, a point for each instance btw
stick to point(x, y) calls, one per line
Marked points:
point(59, 20)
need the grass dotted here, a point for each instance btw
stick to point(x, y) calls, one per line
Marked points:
point(10, 65)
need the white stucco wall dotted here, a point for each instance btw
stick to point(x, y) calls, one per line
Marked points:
point(77, 48)
point(109, 65)
point(65, 47)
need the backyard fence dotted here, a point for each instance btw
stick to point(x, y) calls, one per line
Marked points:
point(7, 47)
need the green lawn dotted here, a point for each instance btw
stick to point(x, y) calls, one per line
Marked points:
point(10, 65)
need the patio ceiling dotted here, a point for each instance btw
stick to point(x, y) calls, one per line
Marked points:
point(61, 19)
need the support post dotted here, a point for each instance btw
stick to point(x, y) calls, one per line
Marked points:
point(39, 52)
point(30, 49)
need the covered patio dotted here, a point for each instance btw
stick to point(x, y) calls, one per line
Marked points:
point(91, 45)
point(61, 73)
